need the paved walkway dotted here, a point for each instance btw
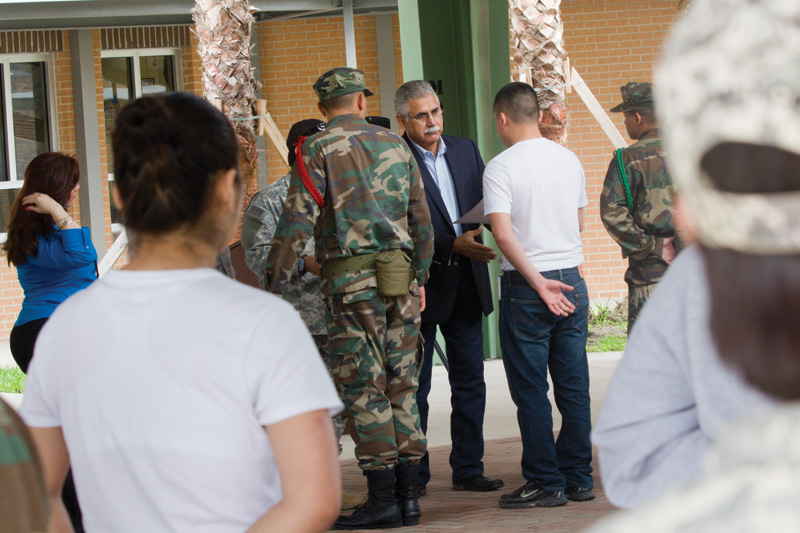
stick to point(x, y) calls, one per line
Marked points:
point(447, 510)
point(444, 509)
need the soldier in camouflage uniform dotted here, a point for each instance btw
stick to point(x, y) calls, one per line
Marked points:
point(638, 199)
point(358, 188)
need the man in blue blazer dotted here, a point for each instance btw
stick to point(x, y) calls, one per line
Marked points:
point(458, 290)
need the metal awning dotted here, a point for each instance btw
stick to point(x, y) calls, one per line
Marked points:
point(76, 14)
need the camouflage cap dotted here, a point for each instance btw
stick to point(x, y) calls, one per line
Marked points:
point(636, 96)
point(715, 87)
point(339, 82)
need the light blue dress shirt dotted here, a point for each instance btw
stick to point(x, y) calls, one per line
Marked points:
point(437, 166)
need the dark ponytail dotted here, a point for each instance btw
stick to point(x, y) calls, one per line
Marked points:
point(168, 150)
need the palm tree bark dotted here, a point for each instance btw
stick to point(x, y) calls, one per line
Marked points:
point(223, 28)
point(538, 54)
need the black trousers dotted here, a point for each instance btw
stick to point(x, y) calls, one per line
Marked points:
point(21, 342)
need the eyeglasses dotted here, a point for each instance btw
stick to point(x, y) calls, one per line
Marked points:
point(423, 117)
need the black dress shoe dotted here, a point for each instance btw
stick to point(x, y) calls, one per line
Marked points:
point(479, 483)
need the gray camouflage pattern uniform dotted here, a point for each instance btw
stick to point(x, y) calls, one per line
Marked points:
point(303, 291)
point(374, 201)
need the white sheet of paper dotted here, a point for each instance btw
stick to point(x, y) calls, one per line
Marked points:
point(475, 216)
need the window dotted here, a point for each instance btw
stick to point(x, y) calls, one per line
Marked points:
point(26, 120)
point(128, 75)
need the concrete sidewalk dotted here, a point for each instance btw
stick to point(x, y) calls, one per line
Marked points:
point(444, 509)
point(500, 421)
point(5, 354)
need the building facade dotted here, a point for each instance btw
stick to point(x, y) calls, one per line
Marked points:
point(51, 80)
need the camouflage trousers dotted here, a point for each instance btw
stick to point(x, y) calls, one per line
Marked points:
point(637, 297)
point(322, 346)
point(375, 360)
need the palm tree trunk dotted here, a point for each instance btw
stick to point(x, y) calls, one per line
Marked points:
point(538, 54)
point(223, 28)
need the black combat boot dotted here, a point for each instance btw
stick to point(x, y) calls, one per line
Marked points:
point(381, 510)
point(407, 489)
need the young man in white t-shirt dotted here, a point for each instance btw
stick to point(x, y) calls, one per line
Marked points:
point(534, 197)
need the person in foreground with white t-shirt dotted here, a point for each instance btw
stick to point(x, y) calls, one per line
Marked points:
point(534, 196)
point(183, 400)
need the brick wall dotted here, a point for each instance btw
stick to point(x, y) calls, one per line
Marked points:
point(293, 55)
point(191, 67)
point(610, 43)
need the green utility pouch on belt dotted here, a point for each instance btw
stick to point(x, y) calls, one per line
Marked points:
point(394, 272)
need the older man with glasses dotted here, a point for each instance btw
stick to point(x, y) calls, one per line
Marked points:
point(458, 289)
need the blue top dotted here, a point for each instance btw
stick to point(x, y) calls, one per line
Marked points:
point(64, 264)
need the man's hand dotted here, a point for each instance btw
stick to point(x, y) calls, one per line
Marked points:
point(550, 292)
point(310, 265)
point(467, 246)
point(668, 253)
point(421, 299)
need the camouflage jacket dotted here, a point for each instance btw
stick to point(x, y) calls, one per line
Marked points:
point(374, 201)
point(258, 227)
point(640, 231)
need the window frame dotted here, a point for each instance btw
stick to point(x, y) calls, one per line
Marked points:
point(135, 54)
point(52, 114)
point(14, 181)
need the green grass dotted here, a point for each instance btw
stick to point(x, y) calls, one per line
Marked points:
point(608, 343)
point(607, 325)
point(12, 379)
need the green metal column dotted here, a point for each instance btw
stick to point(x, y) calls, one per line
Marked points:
point(461, 47)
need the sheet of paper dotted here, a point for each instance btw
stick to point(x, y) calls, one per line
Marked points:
point(475, 216)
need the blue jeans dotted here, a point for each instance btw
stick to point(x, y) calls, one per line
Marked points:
point(533, 339)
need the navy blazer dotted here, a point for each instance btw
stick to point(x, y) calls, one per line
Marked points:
point(466, 166)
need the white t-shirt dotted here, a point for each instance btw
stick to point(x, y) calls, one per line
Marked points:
point(541, 185)
point(161, 382)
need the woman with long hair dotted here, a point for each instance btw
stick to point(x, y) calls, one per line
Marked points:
point(53, 255)
point(184, 401)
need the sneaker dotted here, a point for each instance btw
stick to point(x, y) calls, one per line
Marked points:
point(579, 494)
point(530, 495)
